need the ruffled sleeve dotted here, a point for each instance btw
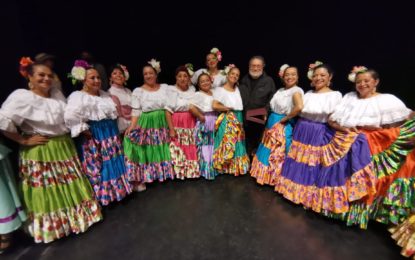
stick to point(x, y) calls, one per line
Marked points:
point(181, 99)
point(24, 105)
point(376, 111)
point(75, 119)
point(219, 96)
point(393, 110)
point(202, 102)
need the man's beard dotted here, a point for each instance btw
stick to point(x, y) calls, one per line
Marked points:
point(255, 75)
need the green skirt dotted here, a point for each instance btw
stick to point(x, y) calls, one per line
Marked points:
point(57, 194)
point(146, 149)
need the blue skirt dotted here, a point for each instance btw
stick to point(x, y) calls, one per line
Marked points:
point(103, 160)
point(276, 141)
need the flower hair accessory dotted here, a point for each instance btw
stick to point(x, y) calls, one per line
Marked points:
point(189, 67)
point(282, 69)
point(311, 69)
point(124, 69)
point(24, 63)
point(78, 72)
point(155, 64)
point(215, 51)
point(355, 70)
point(227, 69)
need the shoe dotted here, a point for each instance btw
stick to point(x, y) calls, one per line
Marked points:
point(140, 187)
point(4, 243)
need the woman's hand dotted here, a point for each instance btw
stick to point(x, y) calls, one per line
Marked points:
point(87, 134)
point(172, 133)
point(128, 130)
point(34, 140)
point(202, 118)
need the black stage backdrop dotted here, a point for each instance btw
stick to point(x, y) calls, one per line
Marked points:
point(341, 34)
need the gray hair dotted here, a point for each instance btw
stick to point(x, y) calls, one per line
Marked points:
point(257, 57)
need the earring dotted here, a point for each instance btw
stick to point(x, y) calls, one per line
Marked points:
point(30, 85)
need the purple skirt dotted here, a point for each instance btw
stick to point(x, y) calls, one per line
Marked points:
point(325, 169)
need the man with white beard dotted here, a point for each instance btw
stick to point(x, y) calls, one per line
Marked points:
point(257, 89)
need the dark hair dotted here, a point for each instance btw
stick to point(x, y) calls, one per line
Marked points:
point(289, 67)
point(372, 72)
point(201, 74)
point(25, 71)
point(148, 65)
point(326, 67)
point(181, 68)
point(116, 67)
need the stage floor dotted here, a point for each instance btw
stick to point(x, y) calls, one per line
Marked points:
point(229, 218)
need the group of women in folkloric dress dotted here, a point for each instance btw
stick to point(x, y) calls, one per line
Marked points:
point(350, 158)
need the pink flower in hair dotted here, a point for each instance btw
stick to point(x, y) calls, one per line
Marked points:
point(356, 69)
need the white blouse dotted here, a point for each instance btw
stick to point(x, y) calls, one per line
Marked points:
point(34, 114)
point(203, 101)
point(382, 109)
point(282, 101)
point(218, 80)
point(230, 99)
point(318, 106)
point(183, 98)
point(147, 101)
point(124, 96)
point(83, 107)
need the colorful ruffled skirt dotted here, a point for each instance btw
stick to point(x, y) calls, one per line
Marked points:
point(276, 141)
point(326, 170)
point(12, 214)
point(102, 157)
point(183, 147)
point(229, 154)
point(204, 136)
point(393, 156)
point(147, 149)
point(57, 195)
point(404, 235)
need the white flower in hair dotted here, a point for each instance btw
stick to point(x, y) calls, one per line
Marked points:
point(126, 73)
point(355, 70)
point(189, 67)
point(311, 69)
point(218, 54)
point(227, 69)
point(282, 69)
point(78, 73)
point(155, 64)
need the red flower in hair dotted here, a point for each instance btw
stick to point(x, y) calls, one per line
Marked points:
point(24, 63)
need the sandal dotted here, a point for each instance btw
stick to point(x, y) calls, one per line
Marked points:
point(5, 242)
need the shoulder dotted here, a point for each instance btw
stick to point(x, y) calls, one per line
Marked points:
point(19, 97)
point(297, 89)
point(390, 100)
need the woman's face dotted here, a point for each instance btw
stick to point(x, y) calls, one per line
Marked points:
point(41, 78)
point(290, 77)
point(150, 76)
point(182, 80)
point(92, 80)
point(211, 61)
point(233, 75)
point(205, 83)
point(117, 77)
point(321, 78)
point(366, 84)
